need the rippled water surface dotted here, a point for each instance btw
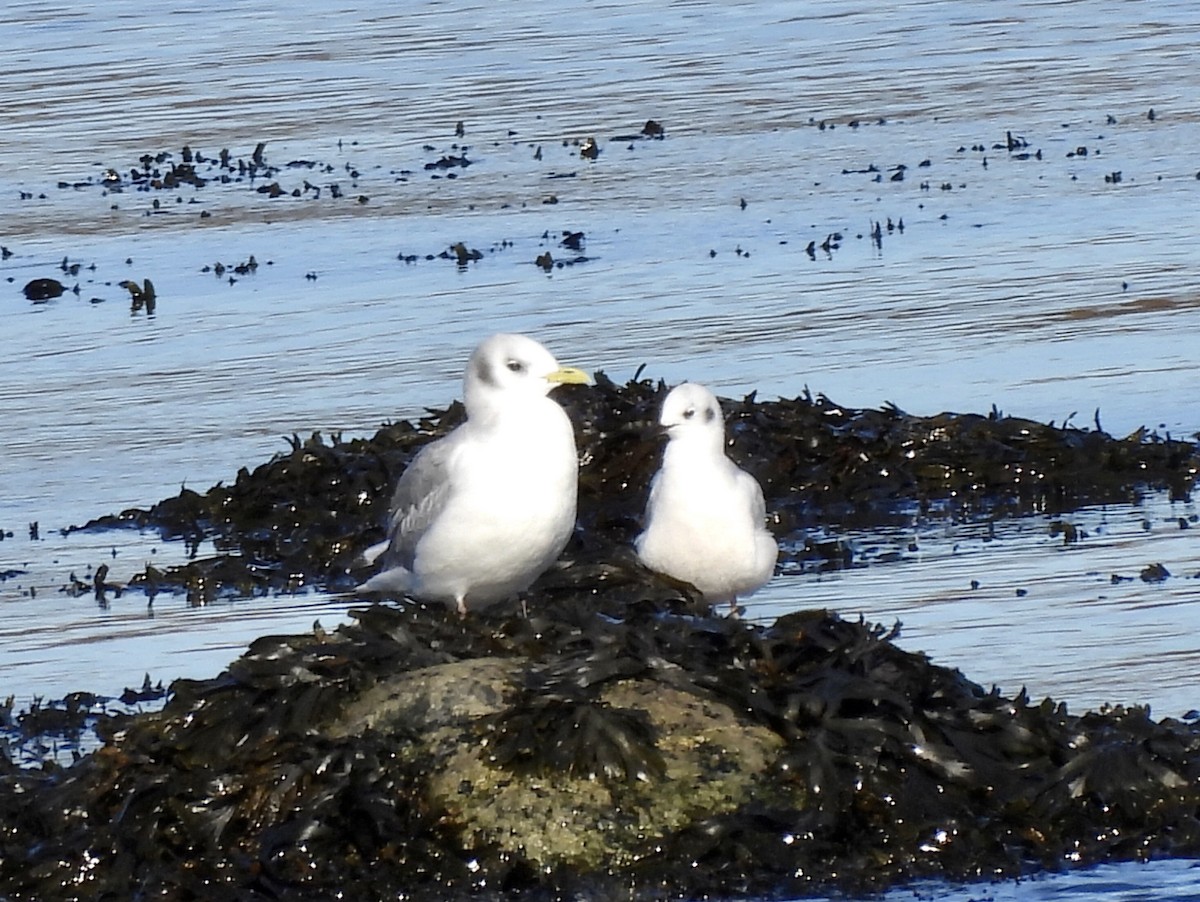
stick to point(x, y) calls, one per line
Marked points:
point(1054, 276)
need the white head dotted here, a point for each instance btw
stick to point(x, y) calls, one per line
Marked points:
point(504, 368)
point(691, 413)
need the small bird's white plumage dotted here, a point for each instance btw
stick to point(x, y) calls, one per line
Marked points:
point(479, 514)
point(704, 522)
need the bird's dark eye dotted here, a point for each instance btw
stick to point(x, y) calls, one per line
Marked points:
point(689, 413)
point(515, 366)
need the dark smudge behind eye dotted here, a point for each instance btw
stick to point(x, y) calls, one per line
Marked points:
point(483, 369)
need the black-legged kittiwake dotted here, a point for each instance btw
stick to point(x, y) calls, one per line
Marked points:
point(704, 522)
point(479, 514)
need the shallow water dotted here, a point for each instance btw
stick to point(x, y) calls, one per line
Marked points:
point(1048, 287)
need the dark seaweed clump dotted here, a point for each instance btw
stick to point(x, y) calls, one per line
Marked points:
point(883, 767)
point(302, 518)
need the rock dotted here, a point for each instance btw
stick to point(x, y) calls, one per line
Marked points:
point(43, 289)
point(605, 744)
point(711, 763)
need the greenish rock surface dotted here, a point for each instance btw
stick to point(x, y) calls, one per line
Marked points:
point(709, 762)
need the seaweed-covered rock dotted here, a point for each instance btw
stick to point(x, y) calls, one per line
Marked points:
point(303, 517)
point(628, 766)
point(610, 741)
point(611, 735)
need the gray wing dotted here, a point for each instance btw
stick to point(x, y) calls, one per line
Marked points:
point(421, 494)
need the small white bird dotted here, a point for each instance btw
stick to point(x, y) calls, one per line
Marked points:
point(478, 515)
point(704, 521)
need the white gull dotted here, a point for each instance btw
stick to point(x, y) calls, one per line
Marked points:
point(478, 515)
point(704, 522)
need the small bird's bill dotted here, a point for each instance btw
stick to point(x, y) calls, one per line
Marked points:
point(569, 375)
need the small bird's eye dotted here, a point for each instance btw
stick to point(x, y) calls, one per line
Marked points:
point(689, 413)
point(516, 366)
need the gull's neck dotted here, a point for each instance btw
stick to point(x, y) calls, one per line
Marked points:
point(488, 414)
point(701, 446)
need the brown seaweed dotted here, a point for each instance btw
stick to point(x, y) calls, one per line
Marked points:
point(302, 518)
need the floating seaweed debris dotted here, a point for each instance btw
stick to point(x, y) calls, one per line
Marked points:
point(140, 296)
point(38, 290)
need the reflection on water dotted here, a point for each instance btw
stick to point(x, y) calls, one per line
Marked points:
point(1053, 276)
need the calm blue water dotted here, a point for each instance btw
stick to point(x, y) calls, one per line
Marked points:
point(1049, 287)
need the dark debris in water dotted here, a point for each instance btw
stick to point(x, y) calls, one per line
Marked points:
point(38, 290)
point(612, 741)
point(46, 732)
point(166, 171)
